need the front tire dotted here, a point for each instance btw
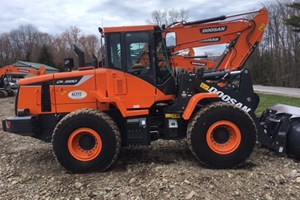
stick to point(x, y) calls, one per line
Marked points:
point(221, 135)
point(86, 140)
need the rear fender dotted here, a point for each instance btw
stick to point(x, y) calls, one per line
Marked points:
point(119, 104)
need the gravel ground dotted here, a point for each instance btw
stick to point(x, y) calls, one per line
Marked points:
point(164, 170)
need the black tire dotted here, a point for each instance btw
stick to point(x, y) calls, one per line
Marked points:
point(3, 94)
point(10, 93)
point(221, 135)
point(84, 128)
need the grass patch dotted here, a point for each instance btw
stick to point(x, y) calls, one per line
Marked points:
point(267, 100)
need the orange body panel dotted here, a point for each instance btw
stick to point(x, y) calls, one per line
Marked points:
point(190, 64)
point(194, 101)
point(63, 93)
point(132, 95)
point(31, 98)
point(30, 93)
point(96, 89)
point(36, 79)
point(129, 28)
point(66, 108)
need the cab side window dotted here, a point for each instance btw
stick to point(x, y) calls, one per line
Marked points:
point(138, 53)
point(115, 60)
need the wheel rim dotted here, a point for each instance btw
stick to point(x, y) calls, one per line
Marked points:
point(85, 144)
point(223, 137)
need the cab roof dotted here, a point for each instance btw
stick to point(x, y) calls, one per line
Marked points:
point(129, 28)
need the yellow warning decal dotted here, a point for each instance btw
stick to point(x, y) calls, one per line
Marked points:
point(204, 86)
point(262, 26)
point(172, 115)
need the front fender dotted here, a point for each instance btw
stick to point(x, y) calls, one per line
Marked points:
point(194, 101)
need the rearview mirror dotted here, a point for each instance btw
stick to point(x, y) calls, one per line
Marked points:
point(69, 64)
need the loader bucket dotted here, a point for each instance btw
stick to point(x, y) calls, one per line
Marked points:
point(281, 129)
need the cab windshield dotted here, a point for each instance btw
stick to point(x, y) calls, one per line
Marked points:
point(140, 54)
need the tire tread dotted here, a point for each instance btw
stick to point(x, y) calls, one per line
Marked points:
point(202, 113)
point(96, 113)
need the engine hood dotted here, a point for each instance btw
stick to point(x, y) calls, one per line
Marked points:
point(52, 77)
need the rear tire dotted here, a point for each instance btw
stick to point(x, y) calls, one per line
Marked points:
point(221, 135)
point(86, 140)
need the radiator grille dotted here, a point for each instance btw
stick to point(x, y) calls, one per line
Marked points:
point(46, 99)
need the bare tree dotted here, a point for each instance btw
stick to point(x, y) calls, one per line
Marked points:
point(63, 45)
point(90, 45)
point(71, 36)
point(276, 62)
point(19, 44)
point(167, 17)
point(27, 43)
point(6, 54)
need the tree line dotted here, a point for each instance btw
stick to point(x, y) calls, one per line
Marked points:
point(277, 59)
point(275, 62)
point(27, 43)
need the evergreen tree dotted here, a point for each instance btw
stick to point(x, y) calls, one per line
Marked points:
point(27, 56)
point(294, 20)
point(45, 56)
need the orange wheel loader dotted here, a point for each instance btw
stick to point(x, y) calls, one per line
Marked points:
point(139, 96)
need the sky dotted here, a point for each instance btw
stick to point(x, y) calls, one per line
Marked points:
point(56, 16)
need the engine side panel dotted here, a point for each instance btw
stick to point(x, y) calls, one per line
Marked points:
point(74, 92)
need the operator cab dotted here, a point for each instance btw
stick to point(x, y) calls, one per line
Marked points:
point(140, 51)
